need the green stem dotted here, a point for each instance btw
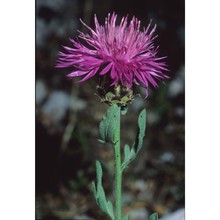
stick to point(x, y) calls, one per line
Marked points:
point(118, 172)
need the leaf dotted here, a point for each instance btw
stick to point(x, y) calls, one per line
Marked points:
point(99, 193)
point(141, 132)
point(109, 125)
point(154, 216)
point(130, 154)
point(127, 151)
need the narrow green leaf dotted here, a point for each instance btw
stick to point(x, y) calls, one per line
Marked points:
point(109, 124)
point(99, 193)
point(141, 132)
point(127, 151)
point(99, 171)
point(130, 155)
point(94, 190)
point(110, 210)
point(154, 216)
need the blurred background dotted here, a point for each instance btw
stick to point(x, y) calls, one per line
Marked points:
point(68, 116)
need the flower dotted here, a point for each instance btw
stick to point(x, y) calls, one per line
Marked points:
point(122, 53)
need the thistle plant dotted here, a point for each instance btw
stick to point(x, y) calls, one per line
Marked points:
point(121, 58)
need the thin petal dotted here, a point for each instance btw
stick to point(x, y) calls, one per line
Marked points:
point(106, 69)
point(77, 73)
point(89, 75)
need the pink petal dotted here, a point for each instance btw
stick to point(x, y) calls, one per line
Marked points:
point(89, 75)
point(77, 73)
point(106, 69)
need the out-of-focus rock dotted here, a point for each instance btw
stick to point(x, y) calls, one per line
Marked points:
point(180, 111)
point(41, 91)
point(82, 217)
point(52, 17)
point(152, 117)
point(56, 106)
point(138, 214)
point(58, 103)
point(177, 85)
point(177, 215)
point(167, 157)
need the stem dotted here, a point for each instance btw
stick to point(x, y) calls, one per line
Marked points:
point(118, 172)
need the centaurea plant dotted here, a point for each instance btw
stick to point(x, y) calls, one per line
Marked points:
point(122, 58)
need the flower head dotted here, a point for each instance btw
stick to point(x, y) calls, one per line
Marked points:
point(122, 53)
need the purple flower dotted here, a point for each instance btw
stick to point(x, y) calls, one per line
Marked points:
point(122, 52)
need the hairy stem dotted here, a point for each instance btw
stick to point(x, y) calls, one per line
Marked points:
point(118, 172)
